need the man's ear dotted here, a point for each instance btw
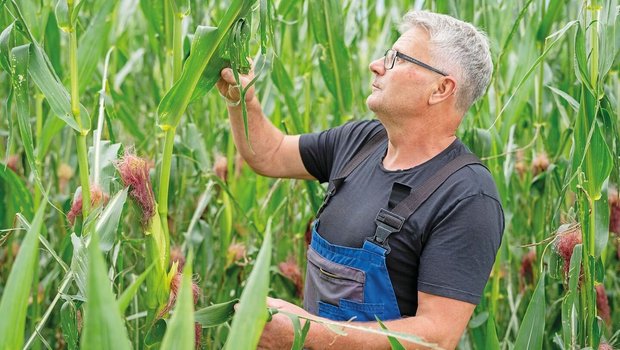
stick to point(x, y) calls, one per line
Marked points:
point(446, 87)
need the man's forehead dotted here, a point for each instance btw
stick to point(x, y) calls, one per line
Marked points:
point(410, 39)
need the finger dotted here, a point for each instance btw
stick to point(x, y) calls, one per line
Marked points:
point(228, 76)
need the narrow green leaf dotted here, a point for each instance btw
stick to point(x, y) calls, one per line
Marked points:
point(20, 87)
point(554, 8)
point(94, 43)
point(62, 15)
point(6, 38)
point(68, 324)
point(125, 299)
point(530, 335)
point(284, 83)
point(180, 331)
point(216, 314)
point(334, 60)
point(394, 343)
point(103, 166)
point(79, 263)
point(16, 292)
point(251, 316)
point(492, 342)
point(103, 325)
point(107, 223)
point(57, 96)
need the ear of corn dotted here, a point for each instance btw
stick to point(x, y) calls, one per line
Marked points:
point(180, 330)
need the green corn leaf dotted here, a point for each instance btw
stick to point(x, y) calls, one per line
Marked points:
point(62, 15)
point(180, 331)
point(103, 325)
point(554, 9)
point(581, 59)
point(68, 324)
point(125, 299)
point(107, 223)
point(76, 10)
point(251, 316)
point(154, 12)
point(6, 41)
point(182, 7)
point(16, 292)
point(51, 128)
point(216, 314)
point(284, 83)
point(491, 342)
point(103, 165)
point(394, 343)
point(94, 43)
point(45, 78)
point(334, 60)
point(79, 263)
point(590, 151)
point(20, 86)
point(530, 335)
point(21, 197)
point(204, 46)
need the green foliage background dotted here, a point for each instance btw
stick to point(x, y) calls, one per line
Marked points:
point(547, 129)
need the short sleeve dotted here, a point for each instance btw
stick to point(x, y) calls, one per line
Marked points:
point(323, 152)
point(460, 251)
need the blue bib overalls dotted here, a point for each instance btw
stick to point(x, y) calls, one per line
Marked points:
point(344, 283)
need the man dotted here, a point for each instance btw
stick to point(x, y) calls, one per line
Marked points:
point(422, 269)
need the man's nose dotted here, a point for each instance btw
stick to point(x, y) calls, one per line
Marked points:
point(377, 67)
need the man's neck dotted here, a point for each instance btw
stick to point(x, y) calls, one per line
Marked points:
point(416, 141)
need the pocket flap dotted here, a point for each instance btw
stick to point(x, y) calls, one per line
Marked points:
point(335, 270)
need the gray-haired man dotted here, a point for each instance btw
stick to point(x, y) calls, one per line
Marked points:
point(412, 221)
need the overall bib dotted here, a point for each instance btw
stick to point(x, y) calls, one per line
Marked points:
point(344, 283)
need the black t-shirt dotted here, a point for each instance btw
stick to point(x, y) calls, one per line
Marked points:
point(446, 248)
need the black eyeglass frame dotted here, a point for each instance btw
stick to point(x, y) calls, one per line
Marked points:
point(387, 65)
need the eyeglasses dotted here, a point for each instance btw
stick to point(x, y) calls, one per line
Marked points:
point(391, 55)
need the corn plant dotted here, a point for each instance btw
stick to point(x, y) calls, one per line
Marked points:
point(160, 178)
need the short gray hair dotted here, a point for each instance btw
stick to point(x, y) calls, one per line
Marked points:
point(458, 48)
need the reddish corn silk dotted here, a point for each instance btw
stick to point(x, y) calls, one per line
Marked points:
point(291, 271)
point(13, 162)
point(197, 335)
point(175, 287)
point(614, 211)
point(527, 263)
point(176, 255)
point(566, 241)
point(97, 197)
point(134, 173)
point(605, 346)
point(602, 304)
point(540, 163)
point(236, 252)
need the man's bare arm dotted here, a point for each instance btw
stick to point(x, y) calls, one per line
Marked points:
point(439, 320)
point(269, 152)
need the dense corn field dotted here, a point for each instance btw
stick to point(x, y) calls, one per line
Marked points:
point(128, 221)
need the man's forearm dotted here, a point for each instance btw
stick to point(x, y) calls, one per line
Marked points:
point(321, 337)
point(264, 137)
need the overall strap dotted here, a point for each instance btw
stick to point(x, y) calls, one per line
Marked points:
point(389, 222)
point(364, 152)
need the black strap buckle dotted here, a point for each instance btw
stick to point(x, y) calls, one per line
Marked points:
point(387, 223)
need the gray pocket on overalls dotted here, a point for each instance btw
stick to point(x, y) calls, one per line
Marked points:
point(329, 282)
